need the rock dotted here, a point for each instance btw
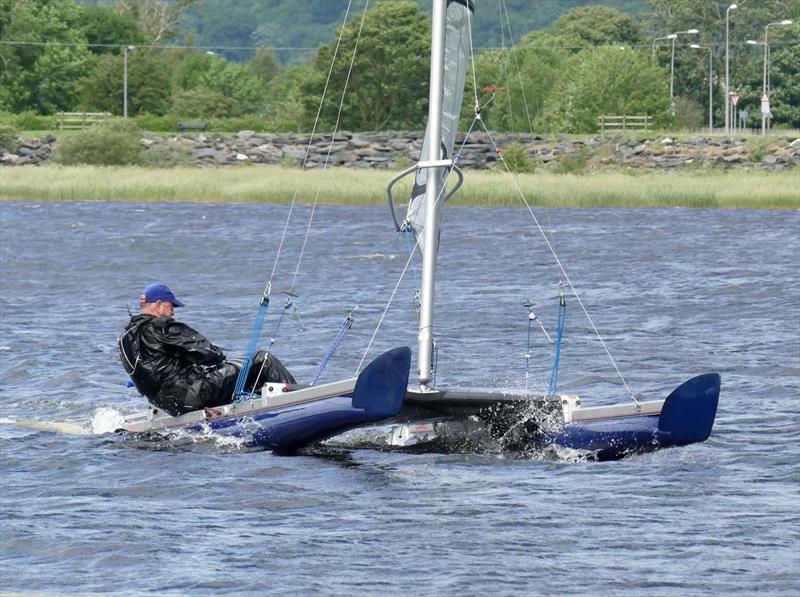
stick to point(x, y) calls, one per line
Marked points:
point(667, 141)
point(769, 159)
point(638, 149)
point(795, 143)
point(732, 159)
point(242, 157)
point(245, 135)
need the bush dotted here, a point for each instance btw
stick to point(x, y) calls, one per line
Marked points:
point(517, 158)
point(29, 121)
point(689, 114)
point(8, 138)
point(573, 163)
point(112, 143)
point(158, 124)
point(758, 149)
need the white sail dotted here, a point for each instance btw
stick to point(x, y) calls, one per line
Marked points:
point(457, 50)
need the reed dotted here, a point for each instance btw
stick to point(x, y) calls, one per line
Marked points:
point(750, 189)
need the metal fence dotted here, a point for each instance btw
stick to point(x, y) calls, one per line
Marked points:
point(624, 123)
point(80, 120)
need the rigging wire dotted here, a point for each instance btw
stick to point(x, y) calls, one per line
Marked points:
point(330, 145)
point(562, 269)
point(311, 137)
point(255, 333)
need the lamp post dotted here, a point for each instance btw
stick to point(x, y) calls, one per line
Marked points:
point(766, 70)
point(710, 85)
point(728, 108)
point(671, 36)
point(674, 36)
point(125, 80)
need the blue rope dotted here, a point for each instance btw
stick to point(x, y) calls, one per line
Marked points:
point(251, 347)
point(562, 307)
point(346, 324)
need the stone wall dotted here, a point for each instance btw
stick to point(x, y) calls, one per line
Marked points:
point(400, 149)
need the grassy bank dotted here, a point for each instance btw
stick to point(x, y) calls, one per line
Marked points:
point(752, 189)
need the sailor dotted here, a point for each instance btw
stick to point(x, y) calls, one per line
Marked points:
point(176, 367)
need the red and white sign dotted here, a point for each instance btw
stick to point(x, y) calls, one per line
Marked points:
point(734, 99)
point(765, 104)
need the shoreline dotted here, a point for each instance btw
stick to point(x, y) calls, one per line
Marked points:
point(347, 186)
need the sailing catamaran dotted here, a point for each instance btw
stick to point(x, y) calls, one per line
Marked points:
point(285, 418)
point(685, 416)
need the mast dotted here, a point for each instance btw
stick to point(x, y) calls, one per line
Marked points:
point(433, 144)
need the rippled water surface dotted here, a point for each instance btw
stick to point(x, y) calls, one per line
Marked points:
point(674, 293)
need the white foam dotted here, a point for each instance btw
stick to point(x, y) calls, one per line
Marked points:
point(107, 420)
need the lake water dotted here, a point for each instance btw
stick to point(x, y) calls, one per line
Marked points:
point(674, 292)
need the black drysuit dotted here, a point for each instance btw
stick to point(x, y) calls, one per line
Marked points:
point(179, 370)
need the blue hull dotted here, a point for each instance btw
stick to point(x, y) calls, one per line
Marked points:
point(378, 394)
point(687, 417)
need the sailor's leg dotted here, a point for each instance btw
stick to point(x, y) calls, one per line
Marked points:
point(267, 367)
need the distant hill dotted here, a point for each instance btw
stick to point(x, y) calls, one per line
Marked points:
point(308, 23)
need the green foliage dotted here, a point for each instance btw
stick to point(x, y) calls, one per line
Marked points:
point(28, 121)
point(607, 81)
point(202, 103)
point(107, 31)
point(158, 124)
point(45, 77)
point(746, 62)
point(573, 162)
point(243, 91)
point(517, 158)
point(8, 138)
point(758, 149)
point(519, 93)
point(149, 84)
point(589, 26)
point(167, 156)
point(689, 115)
point(112, 143)
point(385, 89)
point(264, 65)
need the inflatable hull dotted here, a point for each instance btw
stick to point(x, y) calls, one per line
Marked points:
point(288, 420)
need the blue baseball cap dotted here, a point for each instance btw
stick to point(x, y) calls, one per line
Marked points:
point(159, 292)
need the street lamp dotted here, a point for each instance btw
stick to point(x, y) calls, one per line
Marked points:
point(728, 108)
point(671, 36)
point(764, 88)
point(674, 36)
point(125, 81)
point(710, 85)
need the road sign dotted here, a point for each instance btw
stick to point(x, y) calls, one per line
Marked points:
point(765, 104)
point(734, 99)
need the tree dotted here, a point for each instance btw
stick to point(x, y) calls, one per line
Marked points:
point(149, 84)
point(600, 81)
point(523, 76)
point(234, 81)
point(106, 31)
point(264, 65)
point(44, 78)
point(202, 103)
point(388, 82)
point(596, 26)
point(746, 22)
point(157, 18)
